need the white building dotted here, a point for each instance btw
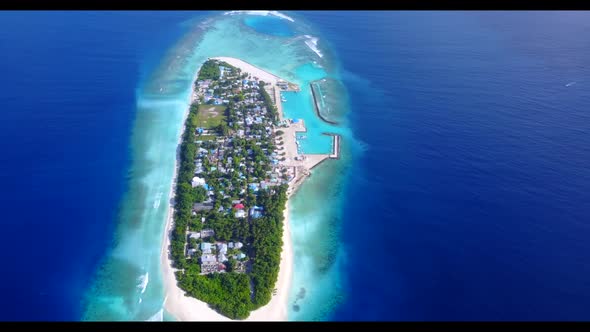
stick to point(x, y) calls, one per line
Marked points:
point(197, 181)
point(208, 258)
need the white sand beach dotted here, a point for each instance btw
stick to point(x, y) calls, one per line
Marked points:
point(185, 308)
point(249, 68)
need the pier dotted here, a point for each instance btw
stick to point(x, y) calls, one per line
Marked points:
point(336, 146)
point(317, 107)
point(300, 163)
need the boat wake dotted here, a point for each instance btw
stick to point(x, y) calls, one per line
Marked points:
point(260, 13)
point(570, 83)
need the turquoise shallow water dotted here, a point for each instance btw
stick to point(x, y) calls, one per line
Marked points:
point(299, 106)
point(129, 285)
point(329, 94)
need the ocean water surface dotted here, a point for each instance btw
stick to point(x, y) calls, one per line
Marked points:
point(269, 25)
point(461, 192)
point(129, 284)
point(471, 200)
point(68, 103)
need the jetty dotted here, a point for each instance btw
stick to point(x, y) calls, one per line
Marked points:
point(317, 106)
point(286, 132)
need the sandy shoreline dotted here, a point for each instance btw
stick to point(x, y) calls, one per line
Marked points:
point(249, 68)
point(185, 308)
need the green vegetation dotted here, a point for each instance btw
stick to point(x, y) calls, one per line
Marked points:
point(268, 103)
point(184, 196)
point(227, 293)
point(209, 71)
point(226, 65)
point(233, 293)
point(267, 243)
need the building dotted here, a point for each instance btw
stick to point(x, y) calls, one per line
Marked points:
point(208, 258)
point(209, 267)
point(222, 258)
point(207, 233)
point(197, 181)
point(256, 212)
point(206, 247)
point(202, 207)
point(222, 248)
point(240, 214)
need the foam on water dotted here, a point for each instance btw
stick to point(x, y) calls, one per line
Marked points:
point(312, 43)
point(157, 317)
point(261, 13)
point(143, 282)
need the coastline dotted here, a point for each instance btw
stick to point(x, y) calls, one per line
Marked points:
point(186, 308)
point(183, 308)
point(317, 107)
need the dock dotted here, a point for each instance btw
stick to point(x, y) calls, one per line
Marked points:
point(317, 107)
point(336, 146)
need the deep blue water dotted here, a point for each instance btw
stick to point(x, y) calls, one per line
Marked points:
point(474, 189)
point(67, 101)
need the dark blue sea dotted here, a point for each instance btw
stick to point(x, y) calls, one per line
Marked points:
point(469, 201)
point(67, 101)
point(472, 199)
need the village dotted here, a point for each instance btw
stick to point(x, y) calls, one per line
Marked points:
point(239, 161)
point(239, 153)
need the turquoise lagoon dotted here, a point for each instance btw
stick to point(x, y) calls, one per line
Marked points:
point(129, 284)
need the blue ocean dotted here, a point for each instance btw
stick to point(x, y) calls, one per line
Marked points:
point(463, 190)
point(67, 102)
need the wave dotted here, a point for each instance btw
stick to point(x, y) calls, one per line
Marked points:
point(261, 13)
point(143, 282)
point(312, 43)
point(157, 317)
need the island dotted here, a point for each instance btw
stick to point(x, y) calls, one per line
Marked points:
point(238, 162)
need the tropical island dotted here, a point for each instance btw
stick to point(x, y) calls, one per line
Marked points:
point(239, 160)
